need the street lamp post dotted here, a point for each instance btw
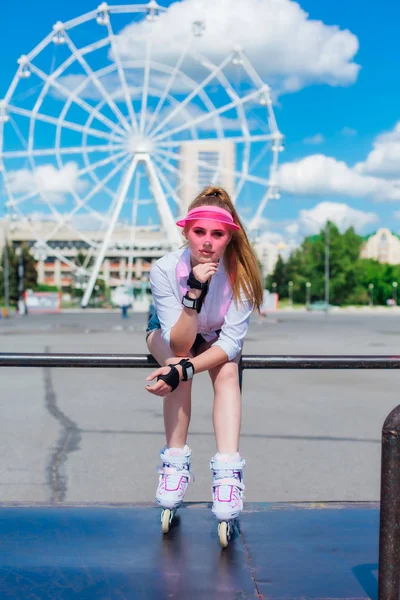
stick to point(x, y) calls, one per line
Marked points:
point(371, 294)
point(290, 284)
point(6, 271)
point(326, 267)
point(395, 285)
point(308, 292)
point(21, 273)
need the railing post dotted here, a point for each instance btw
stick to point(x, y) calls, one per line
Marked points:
point(389, 532)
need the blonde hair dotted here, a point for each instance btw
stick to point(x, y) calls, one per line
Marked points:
point(239, 258)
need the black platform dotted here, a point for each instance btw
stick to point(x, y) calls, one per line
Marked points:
point(283, 551)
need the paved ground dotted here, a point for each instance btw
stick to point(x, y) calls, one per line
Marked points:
point(93, 436)
point(283, 552)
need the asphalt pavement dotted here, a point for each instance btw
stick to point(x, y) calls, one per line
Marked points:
point(91, 435)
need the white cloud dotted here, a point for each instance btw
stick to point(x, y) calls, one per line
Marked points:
point(348, 132)
point(292, 228)
point(112, 84)
point(384, 158)
point(288, 48)
point(272, 237)
point(314, 140)
point(48, 181)
point(318, 174)
point(343, 215)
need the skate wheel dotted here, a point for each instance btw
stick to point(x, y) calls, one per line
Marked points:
point(223, 532)
point(166, 517)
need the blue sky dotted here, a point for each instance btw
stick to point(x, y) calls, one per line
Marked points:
point(335, 120)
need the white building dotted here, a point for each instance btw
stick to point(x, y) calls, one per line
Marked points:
point(205, 162)
point(268, 253)
point(383, 246)
point(123, 259)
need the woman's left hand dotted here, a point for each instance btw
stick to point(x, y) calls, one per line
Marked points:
point(160, 388)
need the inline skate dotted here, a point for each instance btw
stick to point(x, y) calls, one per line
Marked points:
point(174, 478)
point(227, 488)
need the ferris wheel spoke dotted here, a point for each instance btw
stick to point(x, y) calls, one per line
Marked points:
point(18, 132)
point(167, 166)
point(254, 223)
point(132, 235)
point(122, 192)
point(192, 95)
point(145, 86)
point(174, 170)
point(73, 97)
point(54, 251)
point(209, 115)
point(53, 121)
point(122, 78)
point(64, 150)
point(210, 167)
point(101, 163)
point(83, 202)
point(167, 219)
point(97, 83)
point(17, 201)
point(167, 184)
point(167, 88)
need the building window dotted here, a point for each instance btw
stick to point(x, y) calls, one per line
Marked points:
point(209, 171)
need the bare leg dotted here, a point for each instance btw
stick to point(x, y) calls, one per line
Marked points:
point(227, 410)
point(177, 404)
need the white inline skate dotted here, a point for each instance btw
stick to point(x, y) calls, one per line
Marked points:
point(227, 488)
point(174, 478)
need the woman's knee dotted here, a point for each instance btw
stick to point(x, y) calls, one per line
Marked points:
point(226, 374)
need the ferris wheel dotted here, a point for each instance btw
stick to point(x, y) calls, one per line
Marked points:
point(105, 125)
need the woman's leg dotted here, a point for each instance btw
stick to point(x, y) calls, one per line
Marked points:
point(177, 404)
point(227, 410)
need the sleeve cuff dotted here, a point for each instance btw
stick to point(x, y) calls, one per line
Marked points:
point(230, 350)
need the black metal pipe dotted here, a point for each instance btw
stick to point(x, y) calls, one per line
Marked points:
point(248, 362)
point(321, 362)
point(124, 361)
point(389, 530)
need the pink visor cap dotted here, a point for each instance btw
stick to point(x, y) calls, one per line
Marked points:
point(210, 213)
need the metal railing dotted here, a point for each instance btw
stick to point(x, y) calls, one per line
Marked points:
point(389, 530)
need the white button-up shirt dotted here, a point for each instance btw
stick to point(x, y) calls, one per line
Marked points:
point(168, 277)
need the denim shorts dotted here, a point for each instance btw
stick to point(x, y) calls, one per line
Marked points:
point(154, 323)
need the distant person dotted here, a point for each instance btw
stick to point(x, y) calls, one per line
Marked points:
point(151, 311)
point(204, 295)
point(125, 302)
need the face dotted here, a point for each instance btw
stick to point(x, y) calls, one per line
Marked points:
point(207, 240)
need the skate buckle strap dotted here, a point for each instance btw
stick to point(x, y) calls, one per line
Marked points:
point(225, 466)
point(176, 461)
point(176, 471)
point(229, 481)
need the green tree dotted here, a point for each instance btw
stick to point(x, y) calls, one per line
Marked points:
point(30, 272)
point(349, 275)
point(279, 276)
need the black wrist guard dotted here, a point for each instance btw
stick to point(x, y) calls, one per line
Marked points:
point(171, 378)
point(195, 284)
point(189, 302)
point(187, 369)
point(195, 303)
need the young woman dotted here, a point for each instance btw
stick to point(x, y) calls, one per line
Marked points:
point(204, 295)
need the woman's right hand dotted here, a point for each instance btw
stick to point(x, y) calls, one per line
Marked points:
point(204, 271)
